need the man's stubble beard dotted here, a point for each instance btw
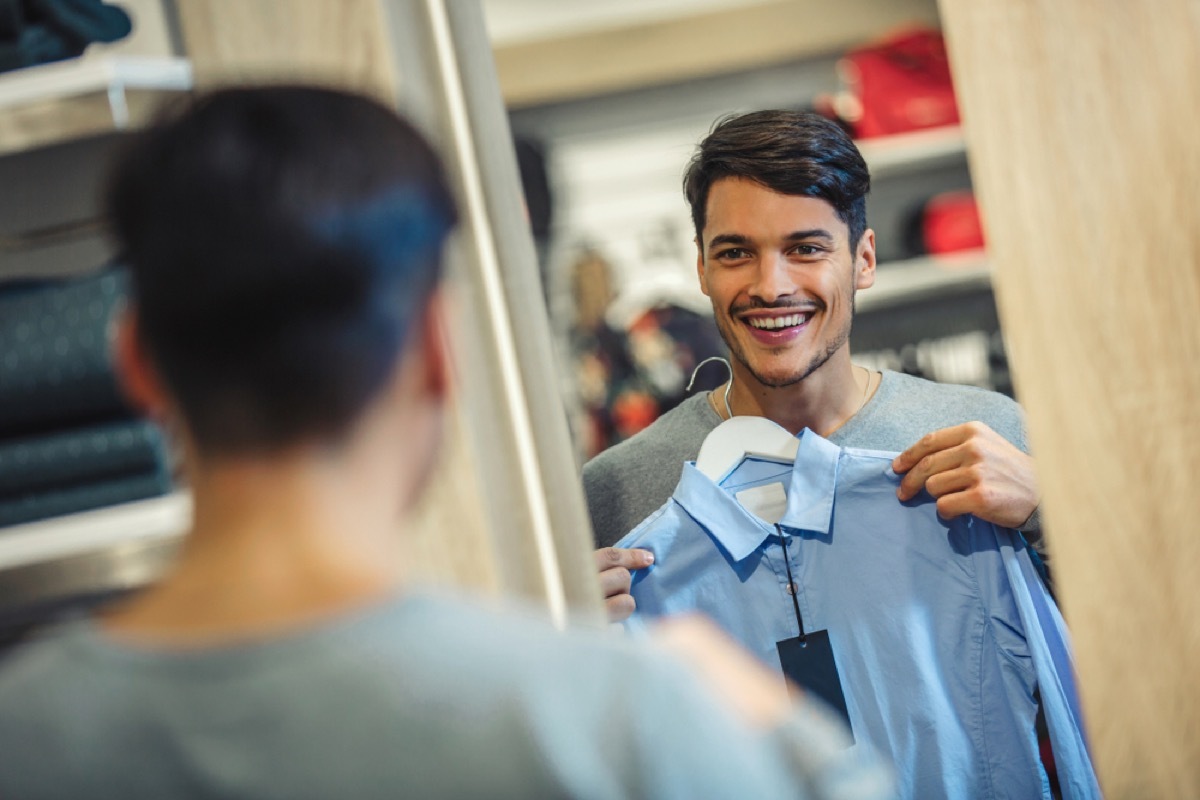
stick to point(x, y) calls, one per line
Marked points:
point(724, 323)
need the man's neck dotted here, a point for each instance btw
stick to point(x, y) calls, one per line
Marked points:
point(275, 544)
point(824, 401)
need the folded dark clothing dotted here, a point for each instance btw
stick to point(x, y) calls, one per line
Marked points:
point(80, 456)
point(40, 31)
point(55, 367)
point(56, 502)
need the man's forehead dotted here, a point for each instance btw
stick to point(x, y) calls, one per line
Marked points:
point(738, 207)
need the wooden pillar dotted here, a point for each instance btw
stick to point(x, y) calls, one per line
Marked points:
point(1082, 120)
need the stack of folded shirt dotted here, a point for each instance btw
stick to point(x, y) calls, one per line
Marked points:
point(68, 442)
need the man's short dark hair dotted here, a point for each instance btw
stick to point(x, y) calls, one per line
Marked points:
point(282, 242)
point(790, 152)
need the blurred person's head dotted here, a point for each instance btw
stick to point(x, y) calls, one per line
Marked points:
point(789, 152)
point(284, 245)
point(591, 288)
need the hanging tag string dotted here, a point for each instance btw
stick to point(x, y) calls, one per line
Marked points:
point(794, 589)
point(728, 367)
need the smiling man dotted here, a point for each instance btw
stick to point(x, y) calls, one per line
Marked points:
point(778, 199)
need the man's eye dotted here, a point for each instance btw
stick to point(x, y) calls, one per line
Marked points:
point(732, 254)
point(806, 249)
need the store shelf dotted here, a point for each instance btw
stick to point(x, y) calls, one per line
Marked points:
point(901, 282)
point(65, 100)
point(915, 150)
point(49, 540)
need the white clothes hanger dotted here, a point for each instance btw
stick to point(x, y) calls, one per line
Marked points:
point(738, 437)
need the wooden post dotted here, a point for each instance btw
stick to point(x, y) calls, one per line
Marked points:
point(1082, 120)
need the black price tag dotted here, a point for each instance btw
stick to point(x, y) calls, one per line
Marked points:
point(808, 663)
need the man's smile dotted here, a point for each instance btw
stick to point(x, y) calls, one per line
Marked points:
point(774, 323)
point(776, 326)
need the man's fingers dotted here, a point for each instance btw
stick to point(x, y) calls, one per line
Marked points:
point(619, 607)
point(953, 480)
point(956, 504)
point(631, 559)
point(615, 566)
point(943, 439)
point(615, 580)
point(929, 443)
point(933, 464)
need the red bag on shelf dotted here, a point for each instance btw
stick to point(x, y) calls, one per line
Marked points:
point(950, 223)
point(900, 84)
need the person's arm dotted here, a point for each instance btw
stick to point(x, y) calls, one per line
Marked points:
point(971, 469)
point(804, 751)
point(616, 567)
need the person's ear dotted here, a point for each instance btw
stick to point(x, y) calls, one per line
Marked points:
point(135, 371)
point(864, 261)
point(700, 266)
point(435, 347)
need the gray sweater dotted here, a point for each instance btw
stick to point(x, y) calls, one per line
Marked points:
point(628, 482)
point(415, 697)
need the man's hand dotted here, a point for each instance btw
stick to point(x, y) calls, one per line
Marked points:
point(971, 469)
point(616, 574)
point(746, 687)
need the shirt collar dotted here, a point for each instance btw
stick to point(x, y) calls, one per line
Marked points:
point(809, 508)
point(814, 479)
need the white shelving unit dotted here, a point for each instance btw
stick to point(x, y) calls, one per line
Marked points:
point(113, 75)
point(77, 101)
point(84, 97)
point(912, 151)
point(900, 281)
point(157, 518)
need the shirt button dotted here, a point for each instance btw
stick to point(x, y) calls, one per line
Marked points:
point(791, 588)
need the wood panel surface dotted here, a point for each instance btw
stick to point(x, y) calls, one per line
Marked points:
point(1081, 119)
point(342, 42)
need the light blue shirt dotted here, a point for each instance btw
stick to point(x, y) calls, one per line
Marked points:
point(941, 629)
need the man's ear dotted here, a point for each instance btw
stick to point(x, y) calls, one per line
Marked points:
point(700, 266)
point(864, 261)
point(435, 347)
point(135, 370)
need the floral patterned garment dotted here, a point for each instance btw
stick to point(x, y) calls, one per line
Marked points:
point(627, 379)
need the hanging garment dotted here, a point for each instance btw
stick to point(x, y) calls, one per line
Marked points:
point(940, 631)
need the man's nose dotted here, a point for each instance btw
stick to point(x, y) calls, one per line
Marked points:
point(773, 279)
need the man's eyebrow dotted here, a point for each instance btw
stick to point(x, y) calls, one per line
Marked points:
point(728, 238)
point(794, 236)
point(813, 233)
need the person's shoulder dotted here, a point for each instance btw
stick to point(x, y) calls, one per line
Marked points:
point(955, 402)
point(905, 408)
point(916, 388)
point(680, 430)
point(37, 673)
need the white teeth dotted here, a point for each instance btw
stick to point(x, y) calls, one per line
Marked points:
point(775, 323)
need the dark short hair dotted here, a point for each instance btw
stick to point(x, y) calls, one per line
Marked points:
point(282, 242)
point(790, 152)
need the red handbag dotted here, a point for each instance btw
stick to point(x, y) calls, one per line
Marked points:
point(951, 223)
point(901, 83)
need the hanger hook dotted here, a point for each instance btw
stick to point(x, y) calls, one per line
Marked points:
point(728, 367)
